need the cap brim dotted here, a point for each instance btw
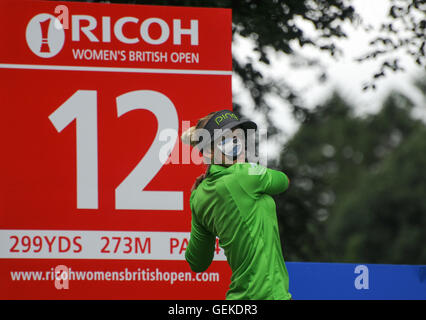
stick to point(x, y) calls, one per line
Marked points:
point(243, 124)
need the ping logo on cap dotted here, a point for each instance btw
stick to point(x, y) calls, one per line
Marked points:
point(218, 119)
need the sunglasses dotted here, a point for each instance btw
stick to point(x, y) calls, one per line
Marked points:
point(230, 146)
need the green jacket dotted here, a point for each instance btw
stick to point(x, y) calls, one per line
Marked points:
point(235, 204)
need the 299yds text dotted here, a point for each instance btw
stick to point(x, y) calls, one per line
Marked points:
point(63, 244)
point(140, 245)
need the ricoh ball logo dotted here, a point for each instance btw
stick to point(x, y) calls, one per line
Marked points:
point(45, 35)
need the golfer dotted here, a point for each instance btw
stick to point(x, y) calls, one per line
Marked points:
point(232, 201)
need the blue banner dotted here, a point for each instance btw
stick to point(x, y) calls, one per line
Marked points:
point(347, 281)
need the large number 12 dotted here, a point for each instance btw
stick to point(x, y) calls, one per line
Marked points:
point(82, 107)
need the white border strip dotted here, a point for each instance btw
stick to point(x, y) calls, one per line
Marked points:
point(113, 69)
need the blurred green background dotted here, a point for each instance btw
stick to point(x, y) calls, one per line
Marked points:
point(358, 190)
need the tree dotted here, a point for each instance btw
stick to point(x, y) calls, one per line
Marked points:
point(316, 161)
point(403, 33)
point(332, 161)
point(384, 219)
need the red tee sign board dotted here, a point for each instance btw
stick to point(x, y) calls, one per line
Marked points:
point(94, 97)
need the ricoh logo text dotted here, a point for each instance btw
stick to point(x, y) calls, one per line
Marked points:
point(45, 36)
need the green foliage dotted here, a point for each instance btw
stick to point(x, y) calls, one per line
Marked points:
point(358, 187)
point(403, 32)
point(386, 220)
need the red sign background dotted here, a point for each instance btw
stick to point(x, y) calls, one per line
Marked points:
point(38, 189)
